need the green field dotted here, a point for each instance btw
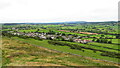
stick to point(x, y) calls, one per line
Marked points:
point(87, 53)
point(98, 41)
point(21, 54)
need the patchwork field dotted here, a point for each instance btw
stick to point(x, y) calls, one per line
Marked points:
point(61, 44)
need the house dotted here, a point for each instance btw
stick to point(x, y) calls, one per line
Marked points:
point(42, 37)
point(18, 33)
point(67, 38)
point(82, 41)
point(13, 28)
point(85, 41)
point(77, 40)
point(52, 37)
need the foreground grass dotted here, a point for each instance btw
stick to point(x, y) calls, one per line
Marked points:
point(18, 53)
point(87, 53)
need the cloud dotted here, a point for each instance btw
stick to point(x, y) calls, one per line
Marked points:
point(57, 10)
point(4, 5)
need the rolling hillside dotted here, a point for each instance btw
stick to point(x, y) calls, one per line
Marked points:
point(18, 53)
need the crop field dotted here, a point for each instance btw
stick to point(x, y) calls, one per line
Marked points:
point(61, 44)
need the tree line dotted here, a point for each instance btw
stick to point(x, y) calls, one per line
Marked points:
point(78, 47)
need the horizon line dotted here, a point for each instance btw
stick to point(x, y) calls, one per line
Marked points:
point(59, 22)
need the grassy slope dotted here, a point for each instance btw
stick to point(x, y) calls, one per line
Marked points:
point(88, 53)
point(18, 53)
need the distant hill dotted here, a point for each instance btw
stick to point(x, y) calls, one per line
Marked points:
point(71, 22)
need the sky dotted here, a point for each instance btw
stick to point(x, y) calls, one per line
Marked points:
point(42, 11)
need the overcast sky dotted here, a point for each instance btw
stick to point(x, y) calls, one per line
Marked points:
point(13, 11)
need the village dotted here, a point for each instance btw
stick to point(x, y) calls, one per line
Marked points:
point(51, 36)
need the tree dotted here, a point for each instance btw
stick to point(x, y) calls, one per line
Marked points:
point(109, 42)
point(118, 37)
point(94, 51)
point(83, 50)
point(101, 40)
point(98, 40)
point(24, 32)
point(102, 35)
point(37, 30)
point(93, 40)
point(105, 40)
point(71, 40)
